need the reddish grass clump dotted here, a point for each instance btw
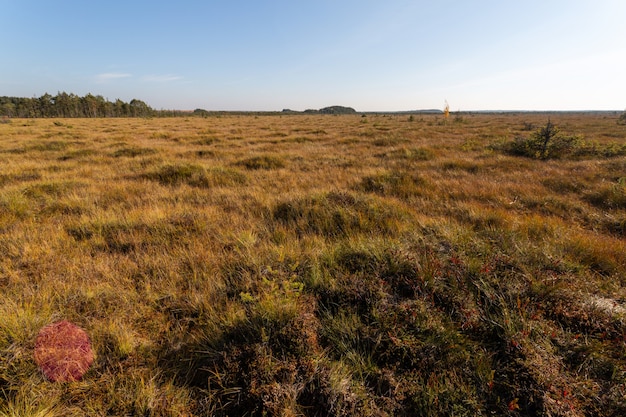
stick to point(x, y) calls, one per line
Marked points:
point(63, 351)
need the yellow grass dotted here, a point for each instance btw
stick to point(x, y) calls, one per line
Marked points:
point(314, 265)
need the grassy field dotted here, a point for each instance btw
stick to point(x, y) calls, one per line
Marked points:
point(379, 265)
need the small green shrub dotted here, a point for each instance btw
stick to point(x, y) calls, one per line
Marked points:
point(545, 143)
point(595, 149)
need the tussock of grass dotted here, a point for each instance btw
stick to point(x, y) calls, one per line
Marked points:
point(609, 196)
point(49, 146)
point(299, 139)
point(30, 404)
point(411, 154)
point(78, 154)
point(196, 176)
point(388, 141)
point(50, 189)
point(132, 152)
point(338, 214)
point(207, 140)
point(26, 175)
point(312, 265)
point(467, 166)
point(262, 162)
point(398, 184)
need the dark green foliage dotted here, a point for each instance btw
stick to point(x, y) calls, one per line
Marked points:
point(406, 322)
point(71, 105)
point(259, 363)
point(337, 110)
point(200, 112)
point(584, 149)
point(545, 143)
point(381, 339)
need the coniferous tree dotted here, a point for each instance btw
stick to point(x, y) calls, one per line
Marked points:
point(71, 105)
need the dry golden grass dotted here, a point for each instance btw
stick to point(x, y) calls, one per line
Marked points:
point(315, 265)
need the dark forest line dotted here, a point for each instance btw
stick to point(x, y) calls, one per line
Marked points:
point(72, 105)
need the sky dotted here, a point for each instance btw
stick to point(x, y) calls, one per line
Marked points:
point(390, 55)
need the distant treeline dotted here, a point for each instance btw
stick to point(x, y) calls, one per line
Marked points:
point(326, 110)
point(71, 105)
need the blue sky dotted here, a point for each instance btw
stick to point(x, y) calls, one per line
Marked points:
point(270, 55)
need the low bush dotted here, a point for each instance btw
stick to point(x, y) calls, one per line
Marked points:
point(545, 143)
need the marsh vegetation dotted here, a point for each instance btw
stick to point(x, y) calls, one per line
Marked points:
point(317, 265)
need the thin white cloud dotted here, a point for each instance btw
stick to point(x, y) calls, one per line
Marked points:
point(110, 76)
point(161, 78)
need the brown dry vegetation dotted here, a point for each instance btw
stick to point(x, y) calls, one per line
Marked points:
point(315, 266)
